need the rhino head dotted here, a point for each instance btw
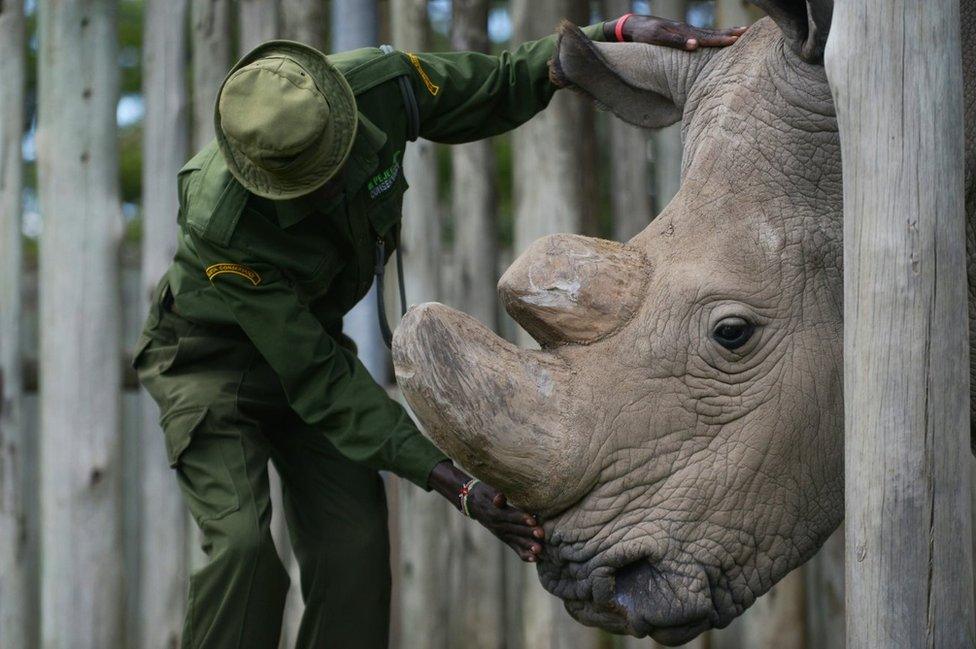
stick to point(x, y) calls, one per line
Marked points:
point(681, 429)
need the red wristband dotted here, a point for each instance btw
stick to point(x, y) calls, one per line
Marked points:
point(618, 30)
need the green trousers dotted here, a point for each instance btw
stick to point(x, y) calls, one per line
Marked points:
point(224, 416)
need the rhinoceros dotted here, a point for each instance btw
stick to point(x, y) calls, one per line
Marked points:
point(680, 430)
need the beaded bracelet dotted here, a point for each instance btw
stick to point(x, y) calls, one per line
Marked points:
point(464, 493)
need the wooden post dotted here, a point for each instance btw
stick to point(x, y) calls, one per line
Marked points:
point(896, 74)
point(80, 365)
point(17, 615)
point(305, 21)
point(630, 186)
point(423, 574)
point(667, 141)
point(735, 13)
point(211, 46)
point(162, 553)
point(479, 557)
point(548, 163)
point(825, 595)
point(259, 22)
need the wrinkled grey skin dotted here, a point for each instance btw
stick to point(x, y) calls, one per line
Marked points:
point(707, 475)
point(740, 455)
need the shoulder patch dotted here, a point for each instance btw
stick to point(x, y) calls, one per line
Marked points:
point(432, 88)
point(234, 269)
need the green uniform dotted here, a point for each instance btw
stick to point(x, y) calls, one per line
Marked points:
point(244, 353)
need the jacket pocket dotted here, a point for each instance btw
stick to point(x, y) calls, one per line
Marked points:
point(152, 321)
point(204, 463)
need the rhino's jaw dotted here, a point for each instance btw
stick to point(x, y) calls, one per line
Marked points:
point(639, 594)
point(636, 586)
point(642, 599)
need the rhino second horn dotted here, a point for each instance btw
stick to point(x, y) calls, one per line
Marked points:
point(571, 289)
point(501, 412)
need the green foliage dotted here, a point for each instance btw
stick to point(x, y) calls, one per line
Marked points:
point(130, 164)
point(130, 46)
point(504, 200)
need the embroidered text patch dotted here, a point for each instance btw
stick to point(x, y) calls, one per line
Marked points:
point(233, 269)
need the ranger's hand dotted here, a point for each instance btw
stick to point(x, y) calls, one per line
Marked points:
point(670, 33)
point(518, 530)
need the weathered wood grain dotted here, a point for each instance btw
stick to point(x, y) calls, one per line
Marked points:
point(667, 141)
point(17, 613)
point(210, 38)
point(895, 72)
point(305, 21)
point(478, 556)
point(630, 180)
point(258, 21)
point(81, 579)
point(425, 541)
point(161, 591)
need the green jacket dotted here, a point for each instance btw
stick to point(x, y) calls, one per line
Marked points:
point(287, 271)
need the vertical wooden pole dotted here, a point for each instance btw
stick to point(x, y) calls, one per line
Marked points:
point(667, 141)
point(825, 595)
point(260, 21)
point(425, 547)
point(735, 13)
point(630, 186)
point(547, 163)
point(778, 618)
point(479, 565)
point(896, 74)
point(305, 21)
point(16, 611)
point(162, 518)
point(212, 53)
point(80, 365)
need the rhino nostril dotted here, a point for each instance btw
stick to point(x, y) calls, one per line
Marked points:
point(631, 592)
point(633, 578)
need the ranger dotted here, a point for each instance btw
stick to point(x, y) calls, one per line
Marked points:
point(280, 221)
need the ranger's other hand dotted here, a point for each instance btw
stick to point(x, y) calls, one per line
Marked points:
point(669, 33)
point(485, 504)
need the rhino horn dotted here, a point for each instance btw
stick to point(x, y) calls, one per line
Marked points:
point(573, 289)
point(500, 411)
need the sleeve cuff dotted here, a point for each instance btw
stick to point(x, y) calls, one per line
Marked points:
point(417, 457)
point(594, 32)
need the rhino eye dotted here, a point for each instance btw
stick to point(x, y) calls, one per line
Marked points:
point(733, 333)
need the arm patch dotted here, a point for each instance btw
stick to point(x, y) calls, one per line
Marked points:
point(233, 269)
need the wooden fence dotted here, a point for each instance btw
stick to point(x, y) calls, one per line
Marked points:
point(95, 545)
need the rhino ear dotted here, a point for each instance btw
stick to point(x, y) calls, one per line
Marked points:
point(805, 23)
point(630, 79)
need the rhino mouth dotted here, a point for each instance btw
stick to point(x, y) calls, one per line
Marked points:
point(639, 598)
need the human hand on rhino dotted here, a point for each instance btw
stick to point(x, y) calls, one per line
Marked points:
point(485, 504)
point(652, 30)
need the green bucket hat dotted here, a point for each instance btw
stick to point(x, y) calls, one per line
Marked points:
point(285, 120)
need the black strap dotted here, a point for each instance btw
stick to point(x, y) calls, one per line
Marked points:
point(379, 269)
point(409, 100)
